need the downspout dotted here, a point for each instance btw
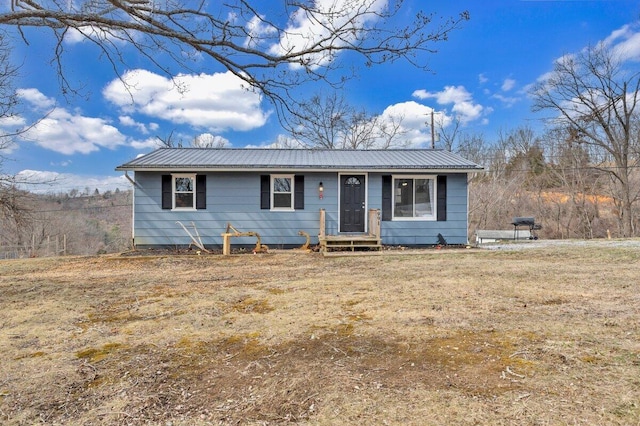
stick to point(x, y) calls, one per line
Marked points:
point(133, 207)
point(468, 192)
point(133, 182)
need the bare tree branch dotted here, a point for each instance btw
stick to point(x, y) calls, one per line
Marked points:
point(329, 122)
point(273, 53)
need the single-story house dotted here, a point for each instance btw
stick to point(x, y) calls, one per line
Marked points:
point(421, 195)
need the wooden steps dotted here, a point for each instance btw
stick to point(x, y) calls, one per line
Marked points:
point(350, 243)
point(369, 242)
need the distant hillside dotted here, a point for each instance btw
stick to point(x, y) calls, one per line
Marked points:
point(73, 223)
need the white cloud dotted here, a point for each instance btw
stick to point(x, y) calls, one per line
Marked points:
point(629, 49)
point(36, 98)
point(207, 140)
point(65, 163)
point(415, 119)
point(41, 182)
point(482, 79)
point(306, 30)
point(413, 114)
point(625, 42)
point(258, 31)
point(74, 36)
point(463, 105)
point(149, 143)
point(11, 123)
point(69, 133)
point(509, 101)
point(508, 84)
point(128, 121)
point(216, 102)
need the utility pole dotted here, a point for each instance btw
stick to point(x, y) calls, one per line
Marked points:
point(433, 129)
point(433, 132)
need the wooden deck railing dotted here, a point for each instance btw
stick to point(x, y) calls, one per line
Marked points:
point(323, 226)
point(350, 242)
point(374, 223)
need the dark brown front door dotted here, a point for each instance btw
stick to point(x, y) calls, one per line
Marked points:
point(352, 193)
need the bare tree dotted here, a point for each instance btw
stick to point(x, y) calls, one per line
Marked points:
point(207, 140)
point(525, 154)
point(287, 142)
point(390, 133)
point(14, 207)
point(8, 97)
point(575, 202)
point(274, 53)
point(474, 147)
point(321, 121)
point(329, 122)
point(596, 97)
point(169, 141)
point(360, 131)
point(204, 140)
point(449, 136)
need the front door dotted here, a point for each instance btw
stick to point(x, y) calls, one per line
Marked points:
point(352, 193)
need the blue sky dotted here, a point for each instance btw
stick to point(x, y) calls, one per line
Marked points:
point(480, 75)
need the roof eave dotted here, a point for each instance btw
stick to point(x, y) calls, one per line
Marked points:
point(289, 169)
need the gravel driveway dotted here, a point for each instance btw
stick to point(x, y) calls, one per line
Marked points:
point(535, 244)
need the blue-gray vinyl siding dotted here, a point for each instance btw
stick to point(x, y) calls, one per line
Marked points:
point(234, 197)
point(425, 233)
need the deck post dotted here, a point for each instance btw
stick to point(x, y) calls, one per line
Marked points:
point(322, 231)
point(226, 244)
point(374, 223)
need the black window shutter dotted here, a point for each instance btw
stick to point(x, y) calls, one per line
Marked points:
point(386, 197)
point(442, 198)
point(166, 192)
point(201, 191)
point(265, 193)
point(298, 199)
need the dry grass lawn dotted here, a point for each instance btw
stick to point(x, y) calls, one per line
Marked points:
point(454, 336)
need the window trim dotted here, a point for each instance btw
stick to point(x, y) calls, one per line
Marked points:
point(175, 176)
point(434, 198)
point(272, 193)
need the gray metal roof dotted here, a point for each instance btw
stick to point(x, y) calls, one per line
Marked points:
point(205, 159)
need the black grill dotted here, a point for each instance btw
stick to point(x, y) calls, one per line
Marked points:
point(529, 222)
point(523, 221)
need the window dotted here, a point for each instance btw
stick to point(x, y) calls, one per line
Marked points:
point(282, 192)
point(282, 187)
point(182, 191)
point(414, 198)
point(352, 181)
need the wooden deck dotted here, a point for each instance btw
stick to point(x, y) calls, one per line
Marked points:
point(349, 242)
point(370, 241)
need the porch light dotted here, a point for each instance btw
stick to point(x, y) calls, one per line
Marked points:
point(320, 190)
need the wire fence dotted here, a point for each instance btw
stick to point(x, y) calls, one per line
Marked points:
point(51, 245)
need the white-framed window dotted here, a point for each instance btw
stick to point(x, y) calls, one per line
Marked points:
point(414, 198)
point(184, 191)
point(282, 190)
